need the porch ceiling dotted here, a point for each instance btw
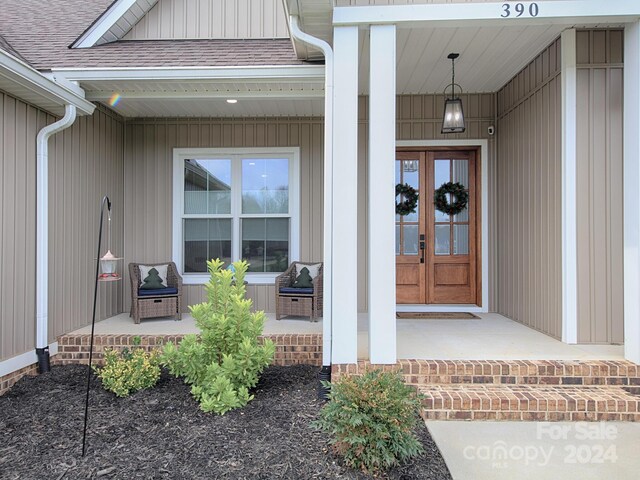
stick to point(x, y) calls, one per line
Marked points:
point(207, 98)
point(489, 56)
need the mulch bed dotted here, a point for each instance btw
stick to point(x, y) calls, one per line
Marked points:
point(161, 433)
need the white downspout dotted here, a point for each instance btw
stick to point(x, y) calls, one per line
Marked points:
point(327, 318)
point(42, 234)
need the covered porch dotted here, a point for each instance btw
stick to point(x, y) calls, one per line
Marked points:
point(489, 337)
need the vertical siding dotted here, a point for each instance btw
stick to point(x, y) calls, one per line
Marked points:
point(600, 202)
point(419, 117)
point(83, 161)
point(529, 195)
point(148, 183)
point(212, 19)
point(86, 163)
point(19, 124)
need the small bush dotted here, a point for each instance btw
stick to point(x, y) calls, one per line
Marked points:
point(371, 419)
point(226, 359)
point(128, 371)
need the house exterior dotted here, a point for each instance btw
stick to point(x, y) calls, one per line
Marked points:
point(266, 129)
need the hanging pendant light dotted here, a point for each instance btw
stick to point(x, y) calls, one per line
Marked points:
point(453, 120)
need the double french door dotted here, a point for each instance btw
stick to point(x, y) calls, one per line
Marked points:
point(437, 254)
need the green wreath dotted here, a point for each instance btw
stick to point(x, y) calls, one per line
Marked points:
point(408, 199)
point(459, 195)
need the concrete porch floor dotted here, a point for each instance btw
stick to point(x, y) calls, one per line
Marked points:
point(492, 337)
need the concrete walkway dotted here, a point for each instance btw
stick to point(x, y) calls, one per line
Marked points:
point(539, 450)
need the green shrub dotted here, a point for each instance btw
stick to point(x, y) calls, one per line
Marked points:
point(128, 371)
point(371, 419)
point(226, 359)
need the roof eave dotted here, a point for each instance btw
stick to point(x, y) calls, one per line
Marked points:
point(49, 93)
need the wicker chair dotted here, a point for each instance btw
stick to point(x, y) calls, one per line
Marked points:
point(148, 306)
point(298, 303)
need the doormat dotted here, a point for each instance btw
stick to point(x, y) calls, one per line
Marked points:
point(437, 315)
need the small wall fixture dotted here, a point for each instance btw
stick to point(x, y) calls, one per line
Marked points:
point(453, 120)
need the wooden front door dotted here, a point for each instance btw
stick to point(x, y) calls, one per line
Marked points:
point(437, 254)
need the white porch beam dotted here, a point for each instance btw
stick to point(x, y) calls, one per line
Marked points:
point(382, 150)
point(569, 198)
point(490, 13)
point(344, 290)
point(632, 192)
point(103, 95)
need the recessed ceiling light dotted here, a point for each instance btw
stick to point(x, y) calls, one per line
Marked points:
point(232, 100)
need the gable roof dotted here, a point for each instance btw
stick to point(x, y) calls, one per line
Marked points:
point(43, 31)
point(114, 23)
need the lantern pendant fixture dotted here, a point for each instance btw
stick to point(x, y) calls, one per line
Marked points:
point(453, 120)
point(109, 262)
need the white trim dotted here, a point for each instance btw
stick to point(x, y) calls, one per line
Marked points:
point(14, 364)
point(631, 191)
point(267, 72)
point(448, 308)
point(569, 188)
point(484, 181)
point(344, 225)
point(298, 94)
point(105, 23)
point(29, 78)
point(381, 207)
point(181, 154)
point(488, 14)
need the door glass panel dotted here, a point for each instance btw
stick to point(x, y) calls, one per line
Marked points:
point(411, 176)
point(442, 174)
point(461, 172)
point(461, 239)
point(410, 240)
point(442, 240)
point(397, 239)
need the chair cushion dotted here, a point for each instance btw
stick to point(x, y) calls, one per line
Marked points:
point(157, 292)
point(299, 291)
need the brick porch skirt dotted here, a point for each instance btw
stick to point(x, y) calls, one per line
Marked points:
point(291, 349)
point(451, 390)
point(519, 390)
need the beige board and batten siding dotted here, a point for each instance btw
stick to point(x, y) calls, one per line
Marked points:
point(528, 187)
point(600, 196)
point(352, 3)
point(83, 160)
point(148, 183)
point(419, 118)
point(238, 19)
point(85, 163)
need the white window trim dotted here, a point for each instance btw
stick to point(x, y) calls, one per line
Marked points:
point(182, 154)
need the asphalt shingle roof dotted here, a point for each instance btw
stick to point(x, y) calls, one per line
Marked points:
point(7, 47)
point(42, 32)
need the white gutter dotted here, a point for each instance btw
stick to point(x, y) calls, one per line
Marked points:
point(42, 232)
point(327, 316)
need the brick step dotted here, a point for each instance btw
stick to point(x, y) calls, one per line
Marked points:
point(529, 402)
point(519, 372)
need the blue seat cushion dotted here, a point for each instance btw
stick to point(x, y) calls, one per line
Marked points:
point(299, 291)
point(156, 292)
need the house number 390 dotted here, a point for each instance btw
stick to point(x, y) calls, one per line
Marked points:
point(519, 9)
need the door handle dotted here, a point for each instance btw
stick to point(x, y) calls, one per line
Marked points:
point(422, 246)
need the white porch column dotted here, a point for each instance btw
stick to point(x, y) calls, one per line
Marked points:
point(344, 291)
point(631, 190)
point(381, 238)
point(569, 199)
